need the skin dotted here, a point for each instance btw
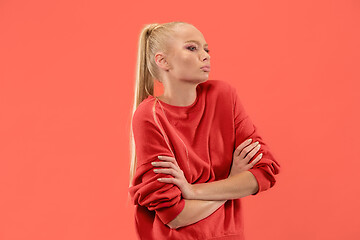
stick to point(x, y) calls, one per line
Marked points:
point(180, 69)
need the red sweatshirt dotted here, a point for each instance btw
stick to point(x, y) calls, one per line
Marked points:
point(202, 137)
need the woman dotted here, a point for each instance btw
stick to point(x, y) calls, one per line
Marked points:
point(212, 154)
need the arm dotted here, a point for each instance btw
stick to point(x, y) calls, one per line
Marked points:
point(257, 179)
point(201, 206)
point(240, 185)
point(234, 186)
point(264, 171)
point(194, 211)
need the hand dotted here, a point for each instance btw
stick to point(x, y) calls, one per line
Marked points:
point(240, 162)
point(174, 169)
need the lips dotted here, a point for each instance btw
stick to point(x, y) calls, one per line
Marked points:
point(206, 68)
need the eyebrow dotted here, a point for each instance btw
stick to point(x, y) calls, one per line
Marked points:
point(196, 42)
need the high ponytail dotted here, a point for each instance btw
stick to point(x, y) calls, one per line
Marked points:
point(153, 38)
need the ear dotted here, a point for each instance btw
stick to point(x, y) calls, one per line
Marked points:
point(160, 60)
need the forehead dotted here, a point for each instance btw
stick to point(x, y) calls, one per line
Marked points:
point(188, 33)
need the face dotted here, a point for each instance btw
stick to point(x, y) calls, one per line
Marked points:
point(188, 53)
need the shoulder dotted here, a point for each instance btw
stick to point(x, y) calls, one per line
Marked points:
point(218, 87)
point(144, 113)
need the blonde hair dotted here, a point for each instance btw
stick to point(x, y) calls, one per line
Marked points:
point(153, 38)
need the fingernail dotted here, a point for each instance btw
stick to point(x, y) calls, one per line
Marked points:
point(153, 163)
point(159, 157)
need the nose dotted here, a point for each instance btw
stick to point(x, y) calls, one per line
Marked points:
point(206, 57)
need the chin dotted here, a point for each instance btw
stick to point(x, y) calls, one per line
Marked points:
point(199, 79)
point(205, 78)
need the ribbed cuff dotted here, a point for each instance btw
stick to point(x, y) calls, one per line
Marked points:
point(261, 179)
point(167, 214)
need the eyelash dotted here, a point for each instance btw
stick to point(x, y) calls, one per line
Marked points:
point(207, 50)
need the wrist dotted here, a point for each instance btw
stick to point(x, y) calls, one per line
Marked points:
point(195, 192)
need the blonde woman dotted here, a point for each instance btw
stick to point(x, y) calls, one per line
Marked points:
point(195, 151)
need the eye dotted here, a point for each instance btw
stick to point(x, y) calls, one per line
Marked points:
point(190, 47)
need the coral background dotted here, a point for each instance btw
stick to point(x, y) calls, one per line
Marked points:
point(67, 75)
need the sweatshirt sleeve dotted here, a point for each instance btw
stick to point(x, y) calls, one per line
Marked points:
point(266, 169)
point(163, 198)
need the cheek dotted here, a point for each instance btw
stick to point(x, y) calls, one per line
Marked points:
point(189, 60)
point(185, 61)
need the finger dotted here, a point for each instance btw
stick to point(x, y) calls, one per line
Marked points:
point(256, 160)
point(170, 159)
point(167, 180)
point(241, 146)
point(253, 152)
point(167, 171)
point(247, 149)
point(163, 164)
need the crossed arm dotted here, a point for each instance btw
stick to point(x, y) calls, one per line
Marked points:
point(208, 197)
point(202, 199)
